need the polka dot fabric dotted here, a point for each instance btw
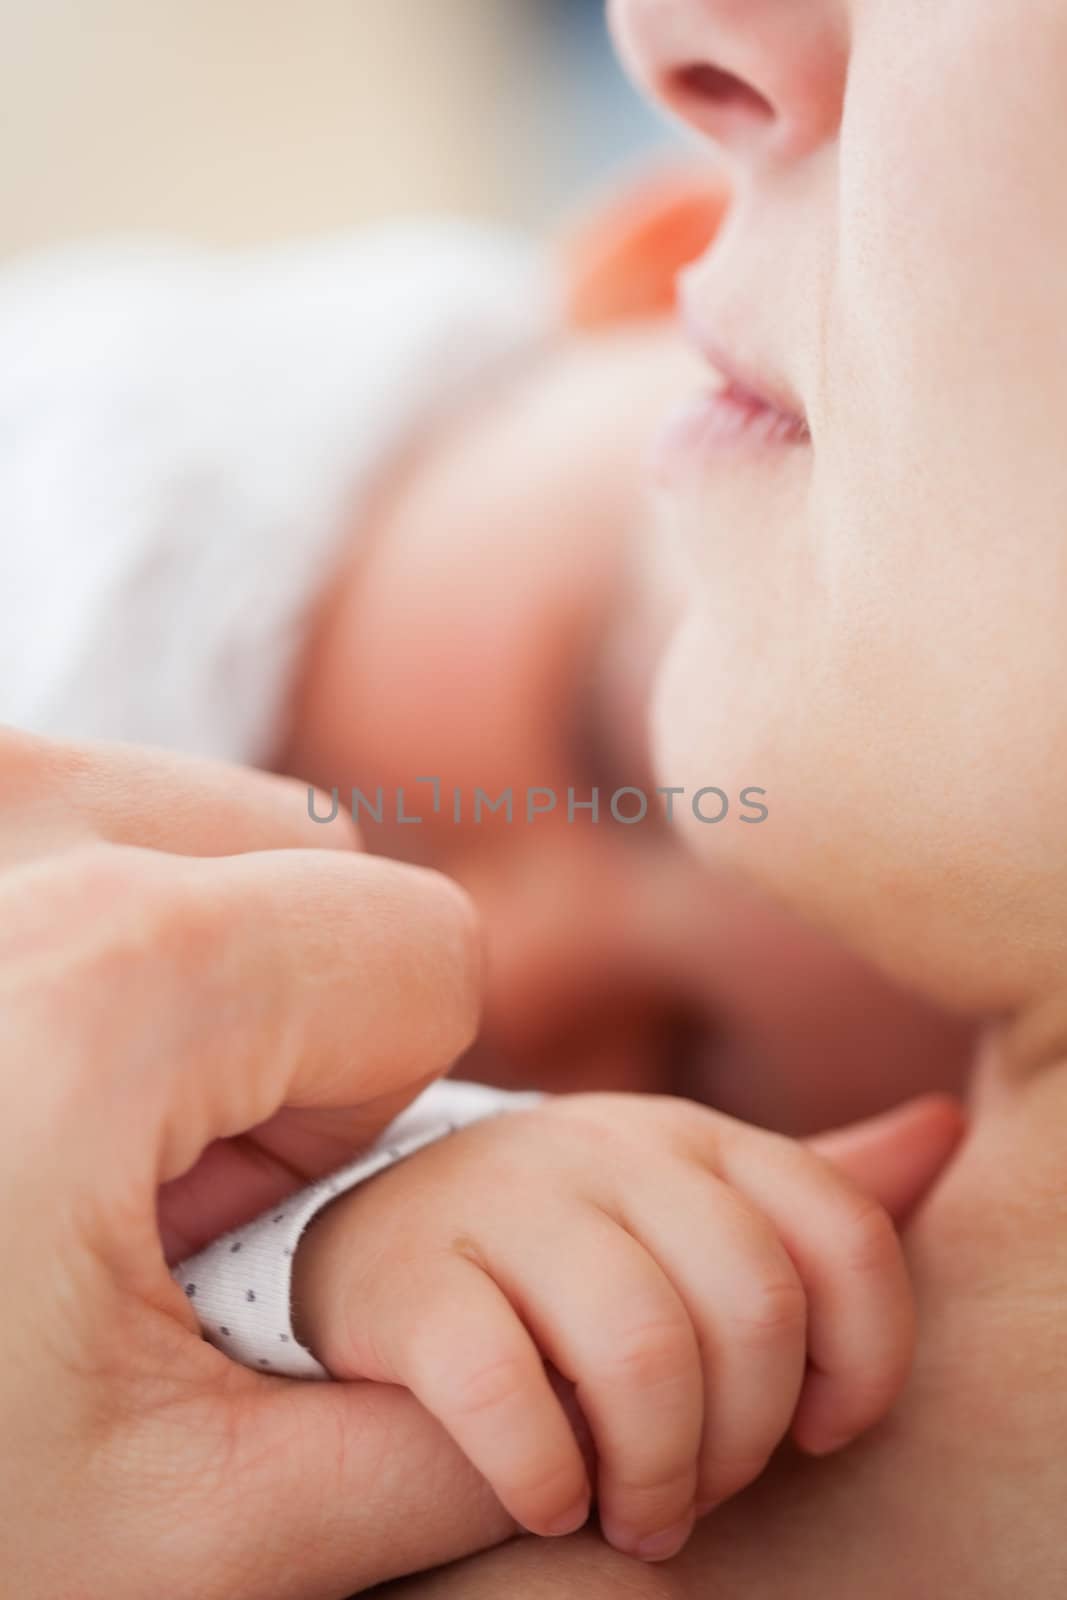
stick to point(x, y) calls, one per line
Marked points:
point(241, 1286)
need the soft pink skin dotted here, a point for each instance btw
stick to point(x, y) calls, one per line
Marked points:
point(743, 413)
point(962, 1491)
point(878, 625)
point(494, 588)
point(702, 1288)
point(877, 621)
point(176, 972)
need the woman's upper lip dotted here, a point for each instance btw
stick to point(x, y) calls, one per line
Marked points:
point(741, 376)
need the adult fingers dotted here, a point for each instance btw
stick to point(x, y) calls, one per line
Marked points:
point(215, 992)
point(317, 1489)
point(236, 1180)
point(53, 795)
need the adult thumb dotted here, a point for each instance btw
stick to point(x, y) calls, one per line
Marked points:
point(359, 1484)
point(897, 1157)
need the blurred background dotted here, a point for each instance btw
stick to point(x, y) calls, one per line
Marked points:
point(239, 121)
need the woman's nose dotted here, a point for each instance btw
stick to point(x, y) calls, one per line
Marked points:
point(763, 79)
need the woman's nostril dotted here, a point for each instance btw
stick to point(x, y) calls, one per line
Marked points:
point(702, 87)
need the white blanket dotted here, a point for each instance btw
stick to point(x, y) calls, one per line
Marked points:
point(184, 437)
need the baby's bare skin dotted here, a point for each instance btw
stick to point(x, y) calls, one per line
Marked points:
point(707, 1288)
point(877, 620)
point(494, 629)
point(961, 1491)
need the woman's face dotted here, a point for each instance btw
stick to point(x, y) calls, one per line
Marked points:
point(874, 512)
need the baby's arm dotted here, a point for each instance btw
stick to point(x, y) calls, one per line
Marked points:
point(240, 1285)
point(706, 1287)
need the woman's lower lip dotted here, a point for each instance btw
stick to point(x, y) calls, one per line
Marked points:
point(724, 422)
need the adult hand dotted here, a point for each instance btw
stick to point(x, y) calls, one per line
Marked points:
point(205, 1000)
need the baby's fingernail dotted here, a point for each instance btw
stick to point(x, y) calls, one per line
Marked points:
point(825, 1447)
point(661, 1546)
point(827, 1444)
point(576, 1518)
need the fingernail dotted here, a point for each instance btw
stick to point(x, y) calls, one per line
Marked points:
point(576, 1518)
point(831, 1449)
point(827, 1446)
point(707, 1506)
point(661, 1546)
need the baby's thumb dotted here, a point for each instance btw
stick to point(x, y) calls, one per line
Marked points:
point(897, 1157)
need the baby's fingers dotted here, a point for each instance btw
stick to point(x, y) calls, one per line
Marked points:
point(454, 1341)
point(897, 1156)
point(861, 1319)
point(610, 1320)
point(746, 1301)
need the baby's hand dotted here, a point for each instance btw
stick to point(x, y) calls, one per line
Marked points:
point(707, 1287)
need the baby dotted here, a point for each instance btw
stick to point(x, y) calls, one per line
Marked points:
point(479, 639)
point(245, 626)
point(706, 1288)
point(363, 510)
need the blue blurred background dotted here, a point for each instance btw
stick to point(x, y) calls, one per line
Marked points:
point(584, 119)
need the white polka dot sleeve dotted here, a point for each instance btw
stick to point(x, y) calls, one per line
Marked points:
point(240, 1286)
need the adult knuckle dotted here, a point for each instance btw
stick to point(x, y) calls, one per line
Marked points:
point(24, 761)
point(154, 933)
point(185, 924)
point(82, 977)
point(93, 907)
point(95, 875)
point(155, 916)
